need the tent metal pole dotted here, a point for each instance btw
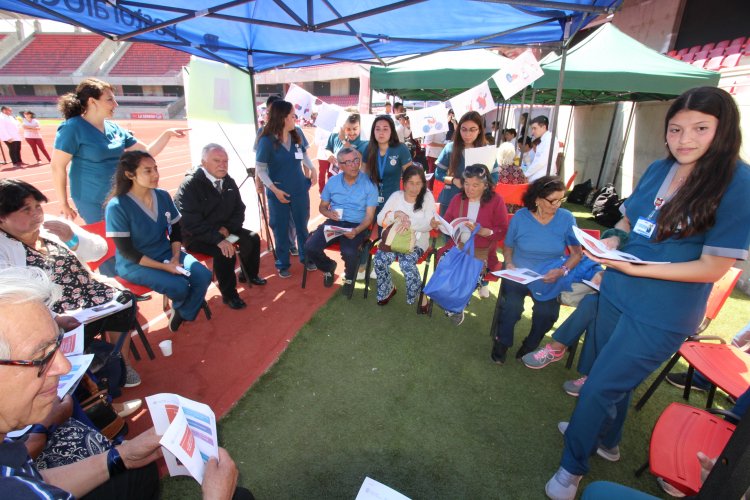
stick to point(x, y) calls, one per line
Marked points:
point(606, 146)
point(558, 96)
point(521, 135)
point(498, 127)
point(567, 130)
point(624, 142)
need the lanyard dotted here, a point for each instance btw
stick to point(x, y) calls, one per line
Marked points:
point(381, 164)
point(658, 203)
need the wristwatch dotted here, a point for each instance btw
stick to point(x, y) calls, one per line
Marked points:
point(565, 269)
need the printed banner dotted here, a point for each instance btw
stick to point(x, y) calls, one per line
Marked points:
point(302, 100)
point(477, 99)
point(432, 120)
point(328, 116)
point(518, 74)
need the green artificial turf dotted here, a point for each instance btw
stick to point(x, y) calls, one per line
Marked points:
point(416, 403)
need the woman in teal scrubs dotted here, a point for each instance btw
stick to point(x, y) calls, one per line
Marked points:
point(280, 159)
point(139, 217)
point(385, 158)
point(449, 167)
point(92, 145)
point(690, 211)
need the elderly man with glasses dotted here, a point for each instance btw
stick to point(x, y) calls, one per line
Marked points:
point(348, 201)
point(30, 368)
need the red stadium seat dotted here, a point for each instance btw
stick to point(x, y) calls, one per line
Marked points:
point(737, 41)
point(708, 47)
point(722, 44)
point(714, 64)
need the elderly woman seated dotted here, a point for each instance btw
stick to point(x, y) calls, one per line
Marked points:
point(29, 238)
point(408, 214)
point(539, 235)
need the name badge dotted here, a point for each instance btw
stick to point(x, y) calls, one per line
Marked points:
point(298, 155)
point(381, 199)
point(644, 227)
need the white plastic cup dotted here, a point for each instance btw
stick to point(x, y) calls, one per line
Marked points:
point(340, 211)
point(166, 347)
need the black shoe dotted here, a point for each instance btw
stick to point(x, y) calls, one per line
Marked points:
point(235, 302)
point(523, 351)
point(175, 321)
point(680, 379)
point(348, 288)
point(328, 277)
point(499, 353)
point(257, 280)
point(242, 278)
point(388, 298)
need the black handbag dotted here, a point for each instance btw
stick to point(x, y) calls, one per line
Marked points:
point(95, 402)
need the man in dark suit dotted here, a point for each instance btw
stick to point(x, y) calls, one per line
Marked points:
point(212, 216)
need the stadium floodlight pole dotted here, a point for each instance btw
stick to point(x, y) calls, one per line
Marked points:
point(558, 97)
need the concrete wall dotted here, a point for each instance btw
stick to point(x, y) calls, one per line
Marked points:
point(654, 23)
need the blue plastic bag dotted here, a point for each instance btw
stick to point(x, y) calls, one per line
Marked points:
point(455, 277)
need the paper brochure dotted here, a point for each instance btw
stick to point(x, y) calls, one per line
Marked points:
point(72, 343)
point(332, 232)
point(599, 250)
point(188, 431)
point(519, 275)
point(484, 155)
point(373, 490)
point(90, 314)
point(78, 366)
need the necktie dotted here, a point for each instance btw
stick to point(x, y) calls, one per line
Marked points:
point(217, 183)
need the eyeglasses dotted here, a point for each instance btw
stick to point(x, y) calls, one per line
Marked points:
point(470, 130)
point(355, 161)
point(41, 363)
point(556, 203)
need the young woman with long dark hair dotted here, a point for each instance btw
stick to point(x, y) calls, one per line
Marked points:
point(139, 217)
point(280, 159)
point(689, 210)
point(385, 158)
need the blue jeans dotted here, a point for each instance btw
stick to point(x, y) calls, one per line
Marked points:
point(544, 315)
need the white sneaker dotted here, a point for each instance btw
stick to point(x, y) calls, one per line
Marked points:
point(360, 275)
point(669, 489)
point(484, 291)
point(562, 486)
point(373, 276)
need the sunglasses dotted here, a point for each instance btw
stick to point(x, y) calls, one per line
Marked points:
point(475, 172)
point(41, 363)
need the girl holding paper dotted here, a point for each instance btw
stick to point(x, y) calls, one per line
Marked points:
point(386, 158)
point(449, 167)
point(689, 209)
point(142, 221)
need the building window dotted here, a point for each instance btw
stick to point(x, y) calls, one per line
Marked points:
point(321, 88)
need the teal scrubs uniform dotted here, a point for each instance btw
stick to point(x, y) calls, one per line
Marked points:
point(148, 229)
point(390, 166)
point(92, 168)
point(285, 170)
point(641, 322)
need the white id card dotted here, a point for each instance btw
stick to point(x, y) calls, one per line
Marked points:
point(298, 155)
point(381, 199)
point(644, 227)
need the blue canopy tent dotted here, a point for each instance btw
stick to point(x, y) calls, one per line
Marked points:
point(258, 35)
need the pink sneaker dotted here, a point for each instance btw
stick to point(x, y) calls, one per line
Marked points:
point(573, 387)
point(542, 357)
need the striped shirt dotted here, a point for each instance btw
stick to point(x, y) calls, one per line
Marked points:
point(19, 479)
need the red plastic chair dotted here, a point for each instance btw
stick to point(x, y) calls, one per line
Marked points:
point(512, 193)
point(99, 228)
point(679, 434)
point(721, 290)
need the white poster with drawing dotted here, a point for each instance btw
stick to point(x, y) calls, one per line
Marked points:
point(328, 116)
point(477, 99)
point(301, 100)
point(519, 73)
point(432, 120)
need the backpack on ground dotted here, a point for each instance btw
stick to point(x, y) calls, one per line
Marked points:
point(580, 192)
point(606, 206)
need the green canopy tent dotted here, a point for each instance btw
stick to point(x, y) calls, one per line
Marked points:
point(609, 66)
point(437, 76)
